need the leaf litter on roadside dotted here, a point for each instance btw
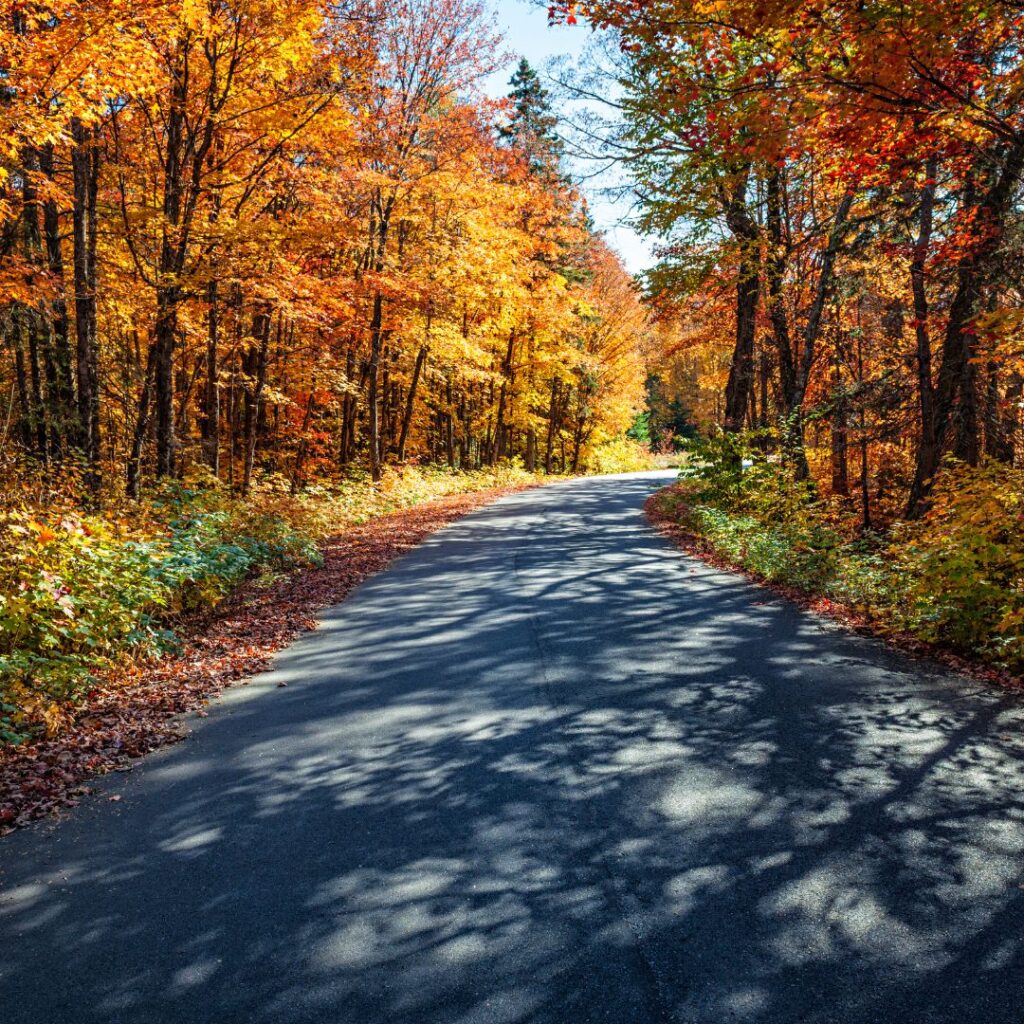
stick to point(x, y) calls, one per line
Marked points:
point(138, 709)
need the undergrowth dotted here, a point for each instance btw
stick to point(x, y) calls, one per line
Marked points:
point(81, 591)
point(954, 578)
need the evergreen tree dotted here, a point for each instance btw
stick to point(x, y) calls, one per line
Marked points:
point(532, 131)
point(532, 127)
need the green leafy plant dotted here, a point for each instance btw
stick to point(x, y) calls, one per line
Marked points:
point(964, 562)
point(80, 592)
point(955, 577)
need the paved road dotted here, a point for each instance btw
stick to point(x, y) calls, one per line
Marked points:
point(547, 770)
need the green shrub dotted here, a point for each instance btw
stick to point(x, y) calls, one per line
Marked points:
point(79, 592)
point(956, 577)
point(964, 562)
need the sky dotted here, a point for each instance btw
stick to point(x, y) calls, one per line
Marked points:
point(527, 34)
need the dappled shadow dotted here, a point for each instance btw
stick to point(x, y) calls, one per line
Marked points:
point(547, 770)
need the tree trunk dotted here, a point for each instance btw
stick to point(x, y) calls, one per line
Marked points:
point(1010, 419)
point(449, 436)
point(967, 421)
point(506, 383)
point(840, 445)
point(577, 442)
point(64, 395)
point(30, 318)
point(748, 288)
point(85, 173)
point(211, 398)
point(21, 382)
point(925, 385)
point(776, 269)
point(958, 341)
point(300, 454)
point(410, 400)
point(552, 415)
point(142, 419)
point(765, 370)
point(376, 331)
point(865, 481)
point(348, 401)
point(997, 441)
point(795, 423)
point(32, 326)
point(164, 340)
point(261, 330)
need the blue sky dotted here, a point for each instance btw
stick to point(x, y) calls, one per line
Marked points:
point(527, 33)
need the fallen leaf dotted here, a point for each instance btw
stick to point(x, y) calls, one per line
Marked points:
point(133, 711)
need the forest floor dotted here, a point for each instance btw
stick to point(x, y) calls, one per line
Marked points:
point(138, 709)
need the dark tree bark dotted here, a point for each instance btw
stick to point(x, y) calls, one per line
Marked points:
point(583, 427)
point(775, 272)
point(865, 479)
point(449, 436)
point(300, 453)
point(32, 327)
point(553, 418)
point(21, 383)
point(142, 423)
point(918, 268)
point(380, 231)
point(748, 287)
point(763, 376)
point(809, 340)
point(966, 418)
point(998, 439)
point(410, 401)
point(85, 178)
point(840, 445)
point(1010, 419)
point(372, 403)
point(254, 395)
point(500, 440)
point(347, 407)
point(959, 339)
point(168, 290)
point(30, 319)
point(64, 384)
point(211, 397)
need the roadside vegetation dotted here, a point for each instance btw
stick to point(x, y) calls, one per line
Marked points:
point(269, 270)
point(82, 593)
point(953, 577)
point(837, 190)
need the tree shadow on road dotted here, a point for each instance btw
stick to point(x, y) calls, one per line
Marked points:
point(548, 770)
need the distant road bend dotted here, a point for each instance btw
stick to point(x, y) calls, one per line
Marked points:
point(547, 770)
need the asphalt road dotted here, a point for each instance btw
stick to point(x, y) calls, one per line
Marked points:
point(547, 770)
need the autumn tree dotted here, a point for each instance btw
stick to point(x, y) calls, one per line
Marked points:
point(897, 130)
point(286, 241)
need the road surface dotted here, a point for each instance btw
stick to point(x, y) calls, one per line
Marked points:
point(547, 770)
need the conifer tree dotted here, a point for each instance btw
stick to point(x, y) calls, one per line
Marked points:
point(532, 127)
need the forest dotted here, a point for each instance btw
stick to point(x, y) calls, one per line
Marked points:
point(512, 511)
point(269, 269)
point(274, 269)
point(836, 190)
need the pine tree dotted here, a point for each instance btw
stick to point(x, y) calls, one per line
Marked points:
point(532, 127)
